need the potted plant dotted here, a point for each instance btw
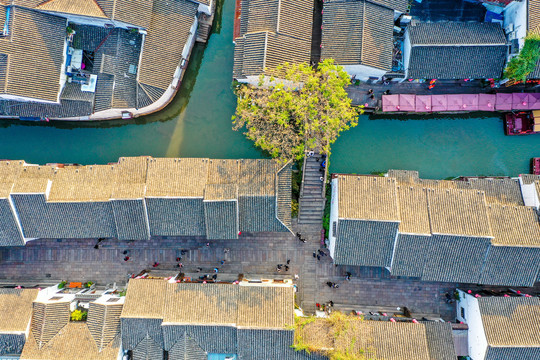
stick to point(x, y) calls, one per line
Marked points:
point(62, 284)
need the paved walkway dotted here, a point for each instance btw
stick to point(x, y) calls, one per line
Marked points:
point(77, 260)
point(359, 93)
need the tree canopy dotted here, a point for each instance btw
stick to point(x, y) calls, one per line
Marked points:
point(296, 108)
point(525, 62)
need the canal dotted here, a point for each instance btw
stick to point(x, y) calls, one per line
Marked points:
point(197, 124)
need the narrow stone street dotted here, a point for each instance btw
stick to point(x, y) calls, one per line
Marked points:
point(254, 255)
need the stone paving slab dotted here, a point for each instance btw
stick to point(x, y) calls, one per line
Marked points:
point(77, 260)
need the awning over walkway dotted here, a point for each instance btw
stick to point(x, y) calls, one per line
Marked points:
point(504, 101)
point(423, 103)
point(439, 103)
point(486, 102)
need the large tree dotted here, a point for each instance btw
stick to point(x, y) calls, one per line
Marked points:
point(296, 108)
point(520, 66)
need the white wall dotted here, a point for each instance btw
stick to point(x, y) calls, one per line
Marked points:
point(406, 52)
point(88, 20)
point(363, 72)
point(516, 14)
point(530, 196)
point(476, 335)
point(334, 212)
point(207, 9)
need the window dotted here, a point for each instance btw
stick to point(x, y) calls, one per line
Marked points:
point(462, 313)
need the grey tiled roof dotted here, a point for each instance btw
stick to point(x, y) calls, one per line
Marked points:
point(365, 243)
point(457, 62)
point(455, 259)
point(511, 326)
point(456, 33)
point(9, 232)
point(440, 340)
point(357, 32)
point(398, 5)
point(410, 255)
point(221, 219)
point(450, 50)
point(11, 344)
point(258, 214)
point(148, 349)
point(40, 219)
point(514, 353)
point(269, 344)
point(174, 217)
point(266, 50)
point(284, 195)
point(130, 218)
point(136, 330)
point(511, 266)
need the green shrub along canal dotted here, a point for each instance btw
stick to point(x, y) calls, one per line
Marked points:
point(198, 124)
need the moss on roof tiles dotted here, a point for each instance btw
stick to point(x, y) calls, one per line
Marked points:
point(458, 212)
point(144, 299)
point(80, 7)
point(82, 183)
point(169, 177)
point(511, 321)
point(514, 225)
point(16, 309)
point(130, 179)
point(413, 210)
point(368, 198)
point(33, 179)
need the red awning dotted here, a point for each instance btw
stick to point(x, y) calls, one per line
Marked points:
point(439, 103)
point(520, 101)
point(470, 102)
point(407, 102)
point(455, 102)
point(486, 102)
point(390, 103)
point(423, 103)
point(504, 101)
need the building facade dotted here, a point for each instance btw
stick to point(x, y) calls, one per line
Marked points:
point(141, 197)
point(468, 231)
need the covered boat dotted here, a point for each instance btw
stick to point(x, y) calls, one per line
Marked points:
point(523, 122)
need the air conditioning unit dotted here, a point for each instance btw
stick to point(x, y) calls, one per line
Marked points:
point(509, 28)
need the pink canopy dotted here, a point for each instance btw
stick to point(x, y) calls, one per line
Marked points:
point(455, 103)
point(423, 103)
point(407, 102)
point(504, 101)
point(470, 102)
point(439, 103)
point(520, 101)
point(390, 103)
point(534, 101)
point(486, 102)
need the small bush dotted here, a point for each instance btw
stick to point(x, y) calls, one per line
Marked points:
point(79, 315)
point(62, 284)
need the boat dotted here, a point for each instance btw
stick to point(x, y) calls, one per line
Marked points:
point(535, 166)
point(523, 122)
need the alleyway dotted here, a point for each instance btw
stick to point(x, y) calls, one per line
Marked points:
point(77, 260)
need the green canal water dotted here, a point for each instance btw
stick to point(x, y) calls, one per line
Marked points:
point(197, 124)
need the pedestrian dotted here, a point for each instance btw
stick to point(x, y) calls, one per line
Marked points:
point(214, 276)
point(96, 246)
point(178, 259)
point(372, 97)
point(319, 257)
point(286, 267)
point(183, 252)
point(207, 245)
point(303, 240)
point(199, 269)
point(222, 262)
point(180, 265)
point(370, 91)
point(321, 252)
point(216, 270)
point(335, 286)
point(278, 269)
point(125, 252)
point(126, 258)
point(288, 261)
point(331, 303)
point(314, 254)
point(226, 251)
point(298, 235)
point(296, 277)
point(329, 283)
